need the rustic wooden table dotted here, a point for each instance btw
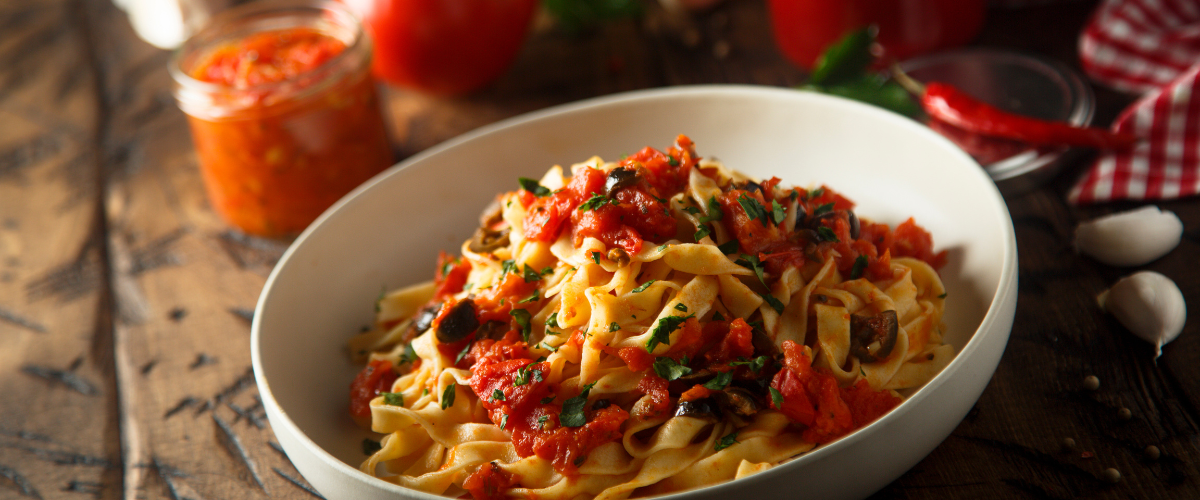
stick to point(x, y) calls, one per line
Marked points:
point(125, 303)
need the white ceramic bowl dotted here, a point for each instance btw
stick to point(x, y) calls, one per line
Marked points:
point(387, 233)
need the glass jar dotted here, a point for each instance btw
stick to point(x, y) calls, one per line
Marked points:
point(283, 110)
point(805, 28)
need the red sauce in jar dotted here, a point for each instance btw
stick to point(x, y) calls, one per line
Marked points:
point(290, 123)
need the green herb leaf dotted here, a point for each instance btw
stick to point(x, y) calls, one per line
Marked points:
point(714, 211)
point(672, 161)
point(827, 234)
point(497, 395)
point(532, 186)
point(548, 399)
point(392, 398)
point(777, 398)
point(552, 320)
point(942, 296)
point(777, 212)
point(522, 317)
point(596, 201)
point(668, 369)
point(572, 409)
point(531, 274)
point(756, 365)
point(542, 421)
point(773, 302)
point(596, 257)
point(717, 316)
point(823, 209)
point(860, 264)
point(612, 327)
point(754, 209)
point(641, 288)
point(719, 382)
point(661, 334)
point(504, 421)
point(729, 247)
point(410, 354)
point(508, 266)
point(692, 210)
point(701, 232)
point(530, 299)
point(463, 353)
point(847, 58)
point(681, 307)
point(816, 193)
point(448, 396)
point(662, 247)
point(752, 262)
point(726, 441)
point(370, 446)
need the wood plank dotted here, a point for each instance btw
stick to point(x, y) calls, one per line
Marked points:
point(58, 416)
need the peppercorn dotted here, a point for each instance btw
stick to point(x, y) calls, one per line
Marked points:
point(1068, 444)
point(1091, 383)
point(1112, 475)
point(1124, 414)
point(1151, 452)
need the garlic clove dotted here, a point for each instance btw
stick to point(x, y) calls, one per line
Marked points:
point(1130, 238)
point(1149, 304)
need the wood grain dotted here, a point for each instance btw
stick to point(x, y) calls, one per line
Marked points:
point(125, 302)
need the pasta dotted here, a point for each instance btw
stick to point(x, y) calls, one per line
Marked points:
point(642, 327)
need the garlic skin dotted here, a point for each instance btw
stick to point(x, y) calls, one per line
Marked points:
point(1130, 238)
point(1149, 304)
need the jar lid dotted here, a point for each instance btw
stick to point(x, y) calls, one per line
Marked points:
point(1020, 84)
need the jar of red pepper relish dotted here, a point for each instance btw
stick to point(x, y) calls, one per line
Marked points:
point(284, 113)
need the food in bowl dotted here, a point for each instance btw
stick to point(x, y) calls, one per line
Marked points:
point(645, 326)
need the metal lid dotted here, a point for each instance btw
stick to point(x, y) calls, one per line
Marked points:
point(1021, 84)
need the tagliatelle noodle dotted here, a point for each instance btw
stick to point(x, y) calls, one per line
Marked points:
point(433, 445)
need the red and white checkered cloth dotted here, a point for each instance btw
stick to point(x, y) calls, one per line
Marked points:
point(1150, 47)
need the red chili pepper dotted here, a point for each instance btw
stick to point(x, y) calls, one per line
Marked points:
point(944, 102)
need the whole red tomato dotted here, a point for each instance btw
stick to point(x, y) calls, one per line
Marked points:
point(444, 47)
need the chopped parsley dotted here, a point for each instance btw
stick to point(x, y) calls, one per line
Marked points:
point(497, 395)
point(530, 299)
point(508, 266)
point(860, 264)
point(661, 334)
point(410, 354)
point(533, 186)
point(542, 421)
point(752, 262)
point(816, 193)
point(755, 364)
point(596, 257)
point(424, 392)
point(524, 374)
point(383, 293)
point(643, 286)
point(701, 232)
point(521, 316)
point(504, 421)
point(549, 347)
point(726, 441)
point(612, 327)
point(548, 399)
point(777, 212)
point(942, 296)
point(754, 209)
point(669, 369)
point(714, 211)
point(827, 234)
point(773, 302)
point(823, 209)
point(717, 316)
point(531, 274)
point(662, 247)
point(370, 446)
point(719, 382)
point(672, 161)
point(596, 201)
point(681, 307)
point(463, 353)
point(448, 396)
point(392, 398)
point(572, 409)
point(777, 398)
point(552, 320)
point(728, 247)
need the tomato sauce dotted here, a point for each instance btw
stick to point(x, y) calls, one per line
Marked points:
point(375, 378)
point(811, 397)
point(285, 122)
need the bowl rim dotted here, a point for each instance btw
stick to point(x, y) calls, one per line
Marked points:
point(1000, 296)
